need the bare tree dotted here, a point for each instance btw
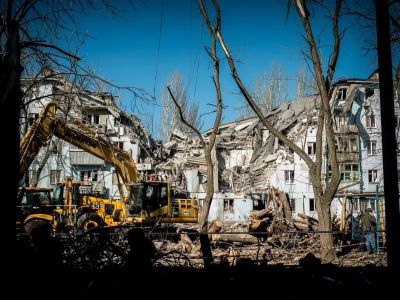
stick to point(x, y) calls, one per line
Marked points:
point(323, 194)
point(208, 147)
point(268, 92)
point(301, 82)
point(169, 119)
point(261, 95)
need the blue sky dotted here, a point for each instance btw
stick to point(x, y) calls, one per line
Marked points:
point(126, 52)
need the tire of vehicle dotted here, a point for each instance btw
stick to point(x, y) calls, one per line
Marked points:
point(89, 221)
point(37, 227)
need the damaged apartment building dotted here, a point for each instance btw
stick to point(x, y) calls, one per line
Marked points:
point(98, 111)
point(251, 163)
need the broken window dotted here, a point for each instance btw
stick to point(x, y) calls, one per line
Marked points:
point(96, 119)
point(289, 176)
point(83, 175)
point(55, 176)
point(353, 145)
point(371, 148)
point(311, 148)
point(372, 176)
point(95, 175)
point(348, 172)
point(89, 175)
point(346, 144)
point(312, 204)
point(343, 143)
point(370, 121)
point(369, 93)
point(341, 120)
point(228, 206)
point(341, 93)
point(258, 202)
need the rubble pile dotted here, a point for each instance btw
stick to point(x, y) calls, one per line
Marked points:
point(231, 245)
point(247, 154)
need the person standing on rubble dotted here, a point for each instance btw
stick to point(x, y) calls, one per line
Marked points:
point(368, 225)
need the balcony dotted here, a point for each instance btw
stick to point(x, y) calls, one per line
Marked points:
point(352, 157)
point(347, 129)
point(99, 128)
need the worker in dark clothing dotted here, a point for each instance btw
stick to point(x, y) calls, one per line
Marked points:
point(368, 225)
point(142, 250)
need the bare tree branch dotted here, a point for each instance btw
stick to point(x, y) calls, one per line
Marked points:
point(184, 120)
point(336, 47)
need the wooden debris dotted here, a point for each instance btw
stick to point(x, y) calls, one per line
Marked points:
point(241, 237)
point(215, 226)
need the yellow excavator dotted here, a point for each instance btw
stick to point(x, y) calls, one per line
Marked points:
point(146, 203)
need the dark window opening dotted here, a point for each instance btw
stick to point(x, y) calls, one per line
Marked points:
point(311, 148)
point(228, 206)
point(289, 176)
point(369, 93)
point(341, 94)
point(312, 204)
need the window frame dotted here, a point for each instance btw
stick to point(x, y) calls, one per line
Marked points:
point(371, 148)
point(371, 176)
point(368, 120)
point(347, 174)
point(311, 201)
point(289, 176)
point(229, 206)
point(341, 91)
point(311, 146)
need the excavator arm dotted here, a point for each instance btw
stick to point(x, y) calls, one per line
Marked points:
point(80, 136)
point(77, 134)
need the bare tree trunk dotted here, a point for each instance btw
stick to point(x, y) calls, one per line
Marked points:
point(208, 148)
point(325, 227)
point(324, 197)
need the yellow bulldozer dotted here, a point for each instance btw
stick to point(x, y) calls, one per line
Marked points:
point(146, 203)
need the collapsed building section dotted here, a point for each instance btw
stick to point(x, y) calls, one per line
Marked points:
point(251, 163)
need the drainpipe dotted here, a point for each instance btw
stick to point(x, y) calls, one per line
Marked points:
point(377, 217)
